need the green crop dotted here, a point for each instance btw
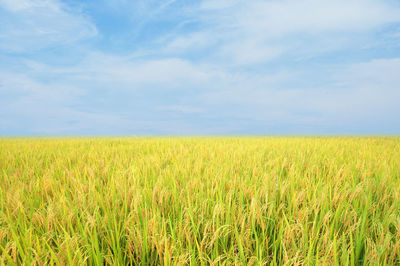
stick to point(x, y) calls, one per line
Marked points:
point(250, 200)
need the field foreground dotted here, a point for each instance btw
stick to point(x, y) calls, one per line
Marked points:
point(200, 201)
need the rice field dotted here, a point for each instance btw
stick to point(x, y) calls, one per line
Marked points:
point(179, 201)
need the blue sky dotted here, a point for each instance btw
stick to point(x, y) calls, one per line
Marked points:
point(211, 67)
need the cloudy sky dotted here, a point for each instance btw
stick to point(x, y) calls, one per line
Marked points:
point(205, 67)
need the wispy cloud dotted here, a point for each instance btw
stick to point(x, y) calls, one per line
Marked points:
point(210, 67)
point(247, 32)
point(29, 25)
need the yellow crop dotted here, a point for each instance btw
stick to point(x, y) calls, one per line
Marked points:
point(200, 201)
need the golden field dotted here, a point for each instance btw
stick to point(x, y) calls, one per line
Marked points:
point(227, 200)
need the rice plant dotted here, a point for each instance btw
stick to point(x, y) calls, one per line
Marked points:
point(227, 200)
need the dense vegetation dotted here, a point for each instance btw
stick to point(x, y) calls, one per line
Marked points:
point(200, 200)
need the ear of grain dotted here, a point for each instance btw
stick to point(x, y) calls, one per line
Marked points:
point(200, 201)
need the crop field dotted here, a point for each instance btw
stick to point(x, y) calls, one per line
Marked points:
point(227, 200)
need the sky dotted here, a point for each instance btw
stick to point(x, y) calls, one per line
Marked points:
point(205, 67)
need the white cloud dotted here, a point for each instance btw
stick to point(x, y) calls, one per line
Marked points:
point(15, 5)
point(29, 25)
point(181, 109)
point(370, 88)
point(218, 4)
point(224, 82)
point(378, 72)
point(246, 32)
point(23, 94)
point(184, 43)
point(276, 18)
point(352, 95)
point(37, 107)
point(168, 71)
point(248, 52)
point(132, 73)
